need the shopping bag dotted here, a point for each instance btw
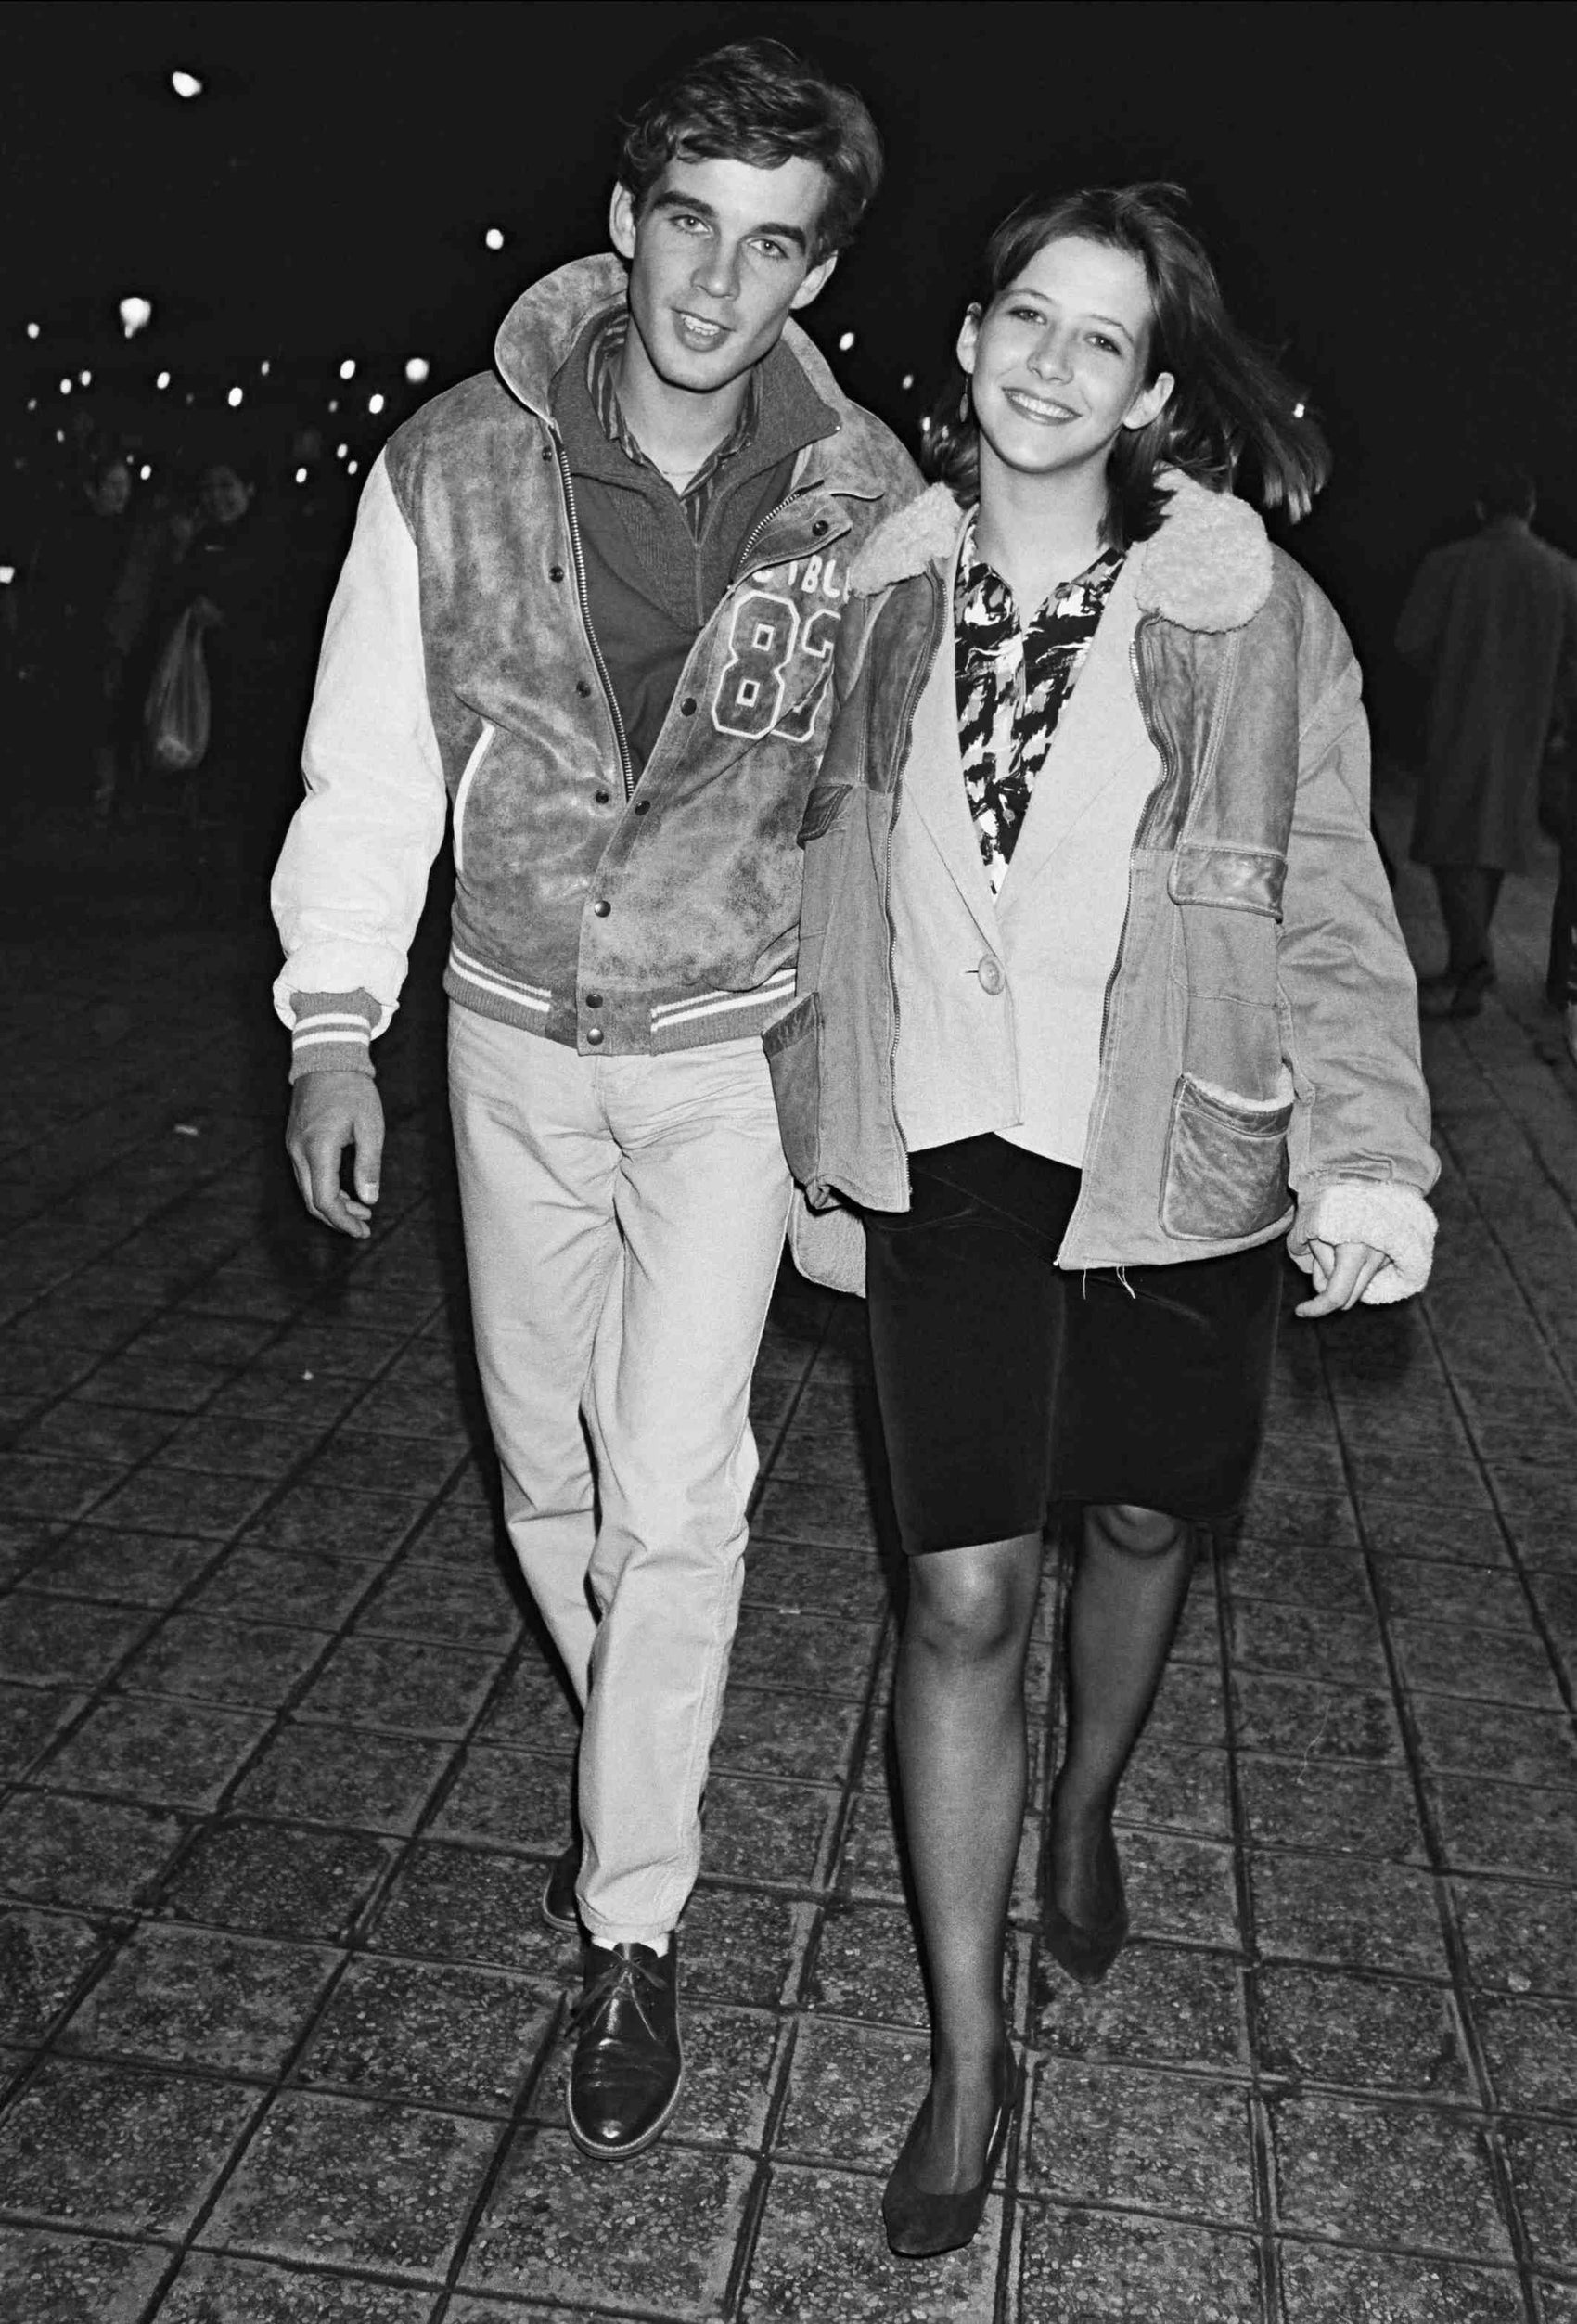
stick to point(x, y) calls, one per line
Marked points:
point(177, 717)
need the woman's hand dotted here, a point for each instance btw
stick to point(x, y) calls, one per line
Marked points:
point(1342, 1272)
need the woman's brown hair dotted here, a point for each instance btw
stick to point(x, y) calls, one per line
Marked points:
point(1232, 421)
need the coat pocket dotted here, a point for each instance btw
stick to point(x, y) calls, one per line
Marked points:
point(1226, 1164)
point(793, 1057)
point(479, 749)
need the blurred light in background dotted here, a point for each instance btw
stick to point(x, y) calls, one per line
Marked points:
point(301, 476)
point(85, 379)
point(65, 387)
point(374, 402)
point(264, 369)
point(136, 314)
point(908, 379)
point(145, 471)
point(350, 467)
point(494, 238)
point(347, 370)
point(416, 369)
point(7, 574)
point(342, 451)
point(233, 398)
point(32, 330)
point(186, 84)
point(845, 342)
point(162, 381)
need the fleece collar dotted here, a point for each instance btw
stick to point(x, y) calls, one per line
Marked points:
point(1208, 567)
point(538, 336)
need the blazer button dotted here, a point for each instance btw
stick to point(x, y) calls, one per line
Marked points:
point(602, 907)
point(594, 1036)
point(990, 976)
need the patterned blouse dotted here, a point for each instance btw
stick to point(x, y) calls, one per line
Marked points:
point(1013, 680)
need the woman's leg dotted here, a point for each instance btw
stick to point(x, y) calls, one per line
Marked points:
point(1132, 1577)
point(960, 1720)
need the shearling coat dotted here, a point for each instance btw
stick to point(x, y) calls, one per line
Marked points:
point(459, 673)
point(1197, 990)
point(1492, 623)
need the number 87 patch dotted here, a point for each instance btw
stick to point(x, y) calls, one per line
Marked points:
point(753, 686)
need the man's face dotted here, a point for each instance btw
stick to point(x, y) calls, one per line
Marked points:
point(113, 490)
point(720, 257)
point(224, 498)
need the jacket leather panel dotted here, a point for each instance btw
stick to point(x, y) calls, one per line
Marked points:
point(1225, 1174)
point(1233, 878)
point(825, 810)
point(793, 1057)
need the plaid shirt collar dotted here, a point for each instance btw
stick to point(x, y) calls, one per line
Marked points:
point(602, 364)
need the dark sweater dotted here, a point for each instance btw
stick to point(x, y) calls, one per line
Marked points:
point(651, 584)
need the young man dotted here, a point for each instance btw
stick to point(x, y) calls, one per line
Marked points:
point(590, 606)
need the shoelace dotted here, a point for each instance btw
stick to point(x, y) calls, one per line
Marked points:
point(622, 1980)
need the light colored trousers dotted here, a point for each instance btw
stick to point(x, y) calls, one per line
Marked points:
point(623, 1220)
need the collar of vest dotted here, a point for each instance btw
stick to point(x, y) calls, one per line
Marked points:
point(1207, 566)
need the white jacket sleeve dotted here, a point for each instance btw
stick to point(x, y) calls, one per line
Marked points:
point(352, 877)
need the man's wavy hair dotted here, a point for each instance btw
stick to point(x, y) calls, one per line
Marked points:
point(1232, 420)
point(755, 101)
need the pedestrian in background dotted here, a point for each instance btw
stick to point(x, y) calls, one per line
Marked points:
point(1491, 623)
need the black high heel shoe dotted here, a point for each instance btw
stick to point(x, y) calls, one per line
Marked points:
point(923, 2222)
point(1086, 1953)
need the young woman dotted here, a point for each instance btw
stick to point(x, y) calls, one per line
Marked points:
point(1101, 998)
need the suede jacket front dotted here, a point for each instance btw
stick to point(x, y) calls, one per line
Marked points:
point(459, 671)
point(1258, 1041)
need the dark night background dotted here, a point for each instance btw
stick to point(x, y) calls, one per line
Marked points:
point(1389, 192)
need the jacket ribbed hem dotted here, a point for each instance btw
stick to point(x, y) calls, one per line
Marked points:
point(691, 1020)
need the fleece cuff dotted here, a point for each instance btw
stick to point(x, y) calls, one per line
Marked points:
point(1386, 1215)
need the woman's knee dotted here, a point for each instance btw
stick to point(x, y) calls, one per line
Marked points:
point(968, 1608)
point(1138, 1532)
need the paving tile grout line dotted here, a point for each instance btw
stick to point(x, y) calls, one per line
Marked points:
point(1423, 1808)
point(1272, 2292)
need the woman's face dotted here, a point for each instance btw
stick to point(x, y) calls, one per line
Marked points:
point(1057, 362)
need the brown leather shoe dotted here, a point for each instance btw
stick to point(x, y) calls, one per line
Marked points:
point(628, 2067)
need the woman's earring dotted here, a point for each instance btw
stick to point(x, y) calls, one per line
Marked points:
point(964, 406)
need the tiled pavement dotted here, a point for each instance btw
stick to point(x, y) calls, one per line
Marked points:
point(281, 2033)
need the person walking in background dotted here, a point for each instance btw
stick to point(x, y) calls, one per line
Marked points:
point(1491, 623)
point(1102, 1001)
point(590, 609)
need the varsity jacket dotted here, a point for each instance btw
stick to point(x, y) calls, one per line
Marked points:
point(459, 676)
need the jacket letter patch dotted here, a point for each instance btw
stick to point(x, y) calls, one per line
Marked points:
point(750, 687)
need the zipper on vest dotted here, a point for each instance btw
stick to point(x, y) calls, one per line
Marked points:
point(627, 765)
point(742, 563)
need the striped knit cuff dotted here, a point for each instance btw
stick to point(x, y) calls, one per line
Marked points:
point(333, 1032)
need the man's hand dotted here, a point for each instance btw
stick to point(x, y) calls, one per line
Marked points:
point(1342, 1272)
point(329, 1112)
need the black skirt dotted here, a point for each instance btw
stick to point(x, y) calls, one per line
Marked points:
point(1008, 1385)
